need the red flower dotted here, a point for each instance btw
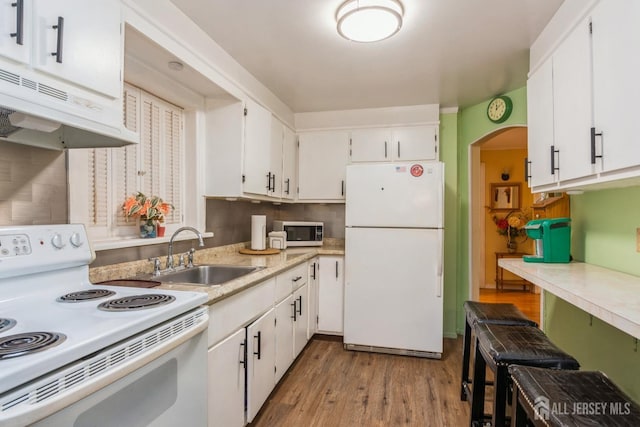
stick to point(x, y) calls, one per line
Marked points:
point(502, 224)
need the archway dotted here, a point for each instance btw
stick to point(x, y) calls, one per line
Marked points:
point(507, 138)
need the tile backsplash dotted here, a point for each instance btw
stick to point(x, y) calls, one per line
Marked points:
point(33, 185)
point(230, 221)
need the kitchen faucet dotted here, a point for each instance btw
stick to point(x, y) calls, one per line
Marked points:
point(179, 230)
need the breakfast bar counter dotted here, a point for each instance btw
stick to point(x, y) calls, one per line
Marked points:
point(609, 295)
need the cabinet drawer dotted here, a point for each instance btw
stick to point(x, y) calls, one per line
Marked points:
point(290, 280)
point(226, 316)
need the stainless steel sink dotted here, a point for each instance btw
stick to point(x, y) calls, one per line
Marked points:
point(206, 275)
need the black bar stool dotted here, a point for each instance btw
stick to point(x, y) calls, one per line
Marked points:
point(569, 398)
point(499, 346)
point(491, 313)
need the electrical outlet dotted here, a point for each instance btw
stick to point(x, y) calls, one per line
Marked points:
point(637, 239)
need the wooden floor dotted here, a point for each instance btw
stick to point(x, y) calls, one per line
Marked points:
point(329, 386)
point(527, 302)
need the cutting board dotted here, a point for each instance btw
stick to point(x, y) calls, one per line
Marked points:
point(270, 251)
point(134, 283)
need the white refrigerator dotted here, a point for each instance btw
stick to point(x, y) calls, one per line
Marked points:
point(394, 258)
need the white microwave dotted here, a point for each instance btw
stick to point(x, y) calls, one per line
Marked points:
point(301, 233)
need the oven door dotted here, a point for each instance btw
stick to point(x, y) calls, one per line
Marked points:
point(163, 386)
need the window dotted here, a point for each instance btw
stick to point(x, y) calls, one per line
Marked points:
point(100, 179)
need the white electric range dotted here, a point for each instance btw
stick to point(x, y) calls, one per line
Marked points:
point(71, 351)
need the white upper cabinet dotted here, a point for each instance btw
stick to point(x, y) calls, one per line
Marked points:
point(398, 143)
point(80, 42)
point(572, 105)
point(250, 153)
point(258, 177)
point(289, 163)
point(322, 165)
point(616, 86)
point(15, 28)
point(540, 129)
point(415, 143)
point(591, 80)
point(371, 145)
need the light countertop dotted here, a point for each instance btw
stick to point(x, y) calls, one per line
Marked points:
point(609, 295)
point(224, 255)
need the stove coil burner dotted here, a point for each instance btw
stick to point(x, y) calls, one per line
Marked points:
point(136, 302)
point(6, 324)
point(87, 295)
point(27, 343)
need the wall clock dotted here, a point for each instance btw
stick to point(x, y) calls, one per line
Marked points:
point(499, 109)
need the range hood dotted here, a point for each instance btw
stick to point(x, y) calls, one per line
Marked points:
point(44, 111)
point(22, 128)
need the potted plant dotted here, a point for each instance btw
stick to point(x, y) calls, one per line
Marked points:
point(148, 210)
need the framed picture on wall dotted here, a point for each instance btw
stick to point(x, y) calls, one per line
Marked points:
point(505, 196)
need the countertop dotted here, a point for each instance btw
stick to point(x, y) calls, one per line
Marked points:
point(609, 295)
point(225, 255)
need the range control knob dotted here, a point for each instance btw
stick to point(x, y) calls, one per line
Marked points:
point(76, 240)
point(57, 241)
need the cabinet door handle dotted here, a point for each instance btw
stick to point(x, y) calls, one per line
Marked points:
point(553, 160)
point(273, 185)
point(294, 311)
point(342, 187)
point(299, 305)
point(593, 145)
point(19, 34)
point(385, 149)
point(527, 169)
point(398, 149)
point(295, 279)
point(336, 269)
point(288, 182)
point(313, 275)
point(269, 181)
point(243, 351)
point(60, 28)
point(257, 353)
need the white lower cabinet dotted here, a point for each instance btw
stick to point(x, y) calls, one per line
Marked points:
point(226, 375)
point(300, 319)
point(261, 360)
point(254, 336)
point(331, 295)
point(284, 336)
point(313, 296)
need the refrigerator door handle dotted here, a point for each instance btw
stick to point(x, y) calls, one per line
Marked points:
point(440, 267)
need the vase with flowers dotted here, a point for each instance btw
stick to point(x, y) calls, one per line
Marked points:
point(149, 210)
point(512, 227)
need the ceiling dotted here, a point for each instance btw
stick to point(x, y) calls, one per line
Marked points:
point(454, 53)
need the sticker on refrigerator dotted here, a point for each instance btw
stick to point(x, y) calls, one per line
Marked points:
point(401, 169)
point(417, 170)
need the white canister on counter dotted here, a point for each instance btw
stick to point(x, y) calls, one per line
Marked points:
point(258, 232)
point(278, 239)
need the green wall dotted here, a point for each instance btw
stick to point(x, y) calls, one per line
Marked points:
point(448, 155)
point(604, 224)
point(474, 125)
point(604, 233)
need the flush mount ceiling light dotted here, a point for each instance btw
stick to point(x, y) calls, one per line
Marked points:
point(369, 20)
